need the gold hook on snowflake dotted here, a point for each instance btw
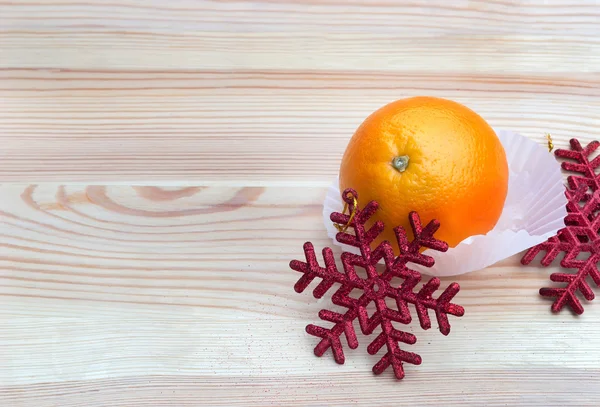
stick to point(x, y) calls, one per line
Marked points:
point(550, 143)
point(349, 196)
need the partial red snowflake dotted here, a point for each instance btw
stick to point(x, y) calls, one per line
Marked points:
point(376, 287)
point(582, 165)
point(579, 240)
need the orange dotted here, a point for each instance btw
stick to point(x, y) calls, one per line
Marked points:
point(433, 156)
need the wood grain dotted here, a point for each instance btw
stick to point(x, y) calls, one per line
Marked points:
point(204, 90)
point(162, 161)
point(128, 292)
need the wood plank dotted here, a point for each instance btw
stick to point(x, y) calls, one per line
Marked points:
point(245, 127)
point(117, 295)
point(458, 52)
point(525, 387)
point(437, 17)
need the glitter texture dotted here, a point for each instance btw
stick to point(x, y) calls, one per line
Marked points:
point(579, 239)
point(375, 288)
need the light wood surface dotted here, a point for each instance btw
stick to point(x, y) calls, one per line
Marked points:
point(162, 161)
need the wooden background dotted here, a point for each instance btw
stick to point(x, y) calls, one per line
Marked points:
point(162, 161)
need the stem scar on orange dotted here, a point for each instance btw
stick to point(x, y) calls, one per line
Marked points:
point(433, 156)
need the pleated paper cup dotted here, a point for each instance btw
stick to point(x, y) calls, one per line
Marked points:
point(534, 210)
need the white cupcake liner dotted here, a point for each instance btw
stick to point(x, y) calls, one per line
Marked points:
point(534, 210)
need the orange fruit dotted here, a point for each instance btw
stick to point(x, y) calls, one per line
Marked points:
point(433, 156)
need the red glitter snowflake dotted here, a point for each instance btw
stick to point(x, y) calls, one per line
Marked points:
point(376, 288)
point(580, 235)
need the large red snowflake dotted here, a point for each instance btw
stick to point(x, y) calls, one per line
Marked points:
point(376, 287)
point(579, 240)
